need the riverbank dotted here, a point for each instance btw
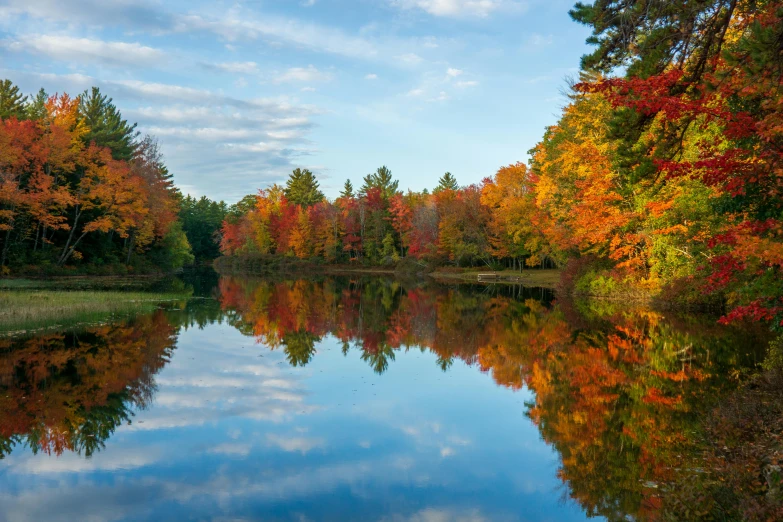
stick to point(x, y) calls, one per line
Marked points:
point(35, 305)
point(84, 282)
point(276, 265)
point(539, 278)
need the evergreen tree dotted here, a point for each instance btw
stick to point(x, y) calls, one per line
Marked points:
point(381, 179)
point(347, 191)
point(36, 109)
point(201, 222)
point(12, 102)
point(649, 37)
point(446, 182)
point(107, 128)
point(302, 188)
point(243, 206)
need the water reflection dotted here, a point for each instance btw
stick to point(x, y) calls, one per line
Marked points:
point(70, 391)
point(366, 405)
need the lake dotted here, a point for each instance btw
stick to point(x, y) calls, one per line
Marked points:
point(361, 398)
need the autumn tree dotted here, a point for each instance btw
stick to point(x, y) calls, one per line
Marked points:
point(74, 176)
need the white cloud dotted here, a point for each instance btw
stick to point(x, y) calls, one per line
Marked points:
point(231, 449)
point(452, 72)
point(303, 74)
point(290, 134)
point(294, 444)
point(204, 133)
point(466, 83)
point(234, 67)
point(128, 458)
point(416, 92)
point(237, 24)
point(371, 76)
point(459, 8)
point(164, 91)
point(410, 58)
point(431, 514)
point(141, 14)
point(69, 49)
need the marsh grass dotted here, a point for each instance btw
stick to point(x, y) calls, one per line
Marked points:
point(139, 283)
point(24, 311)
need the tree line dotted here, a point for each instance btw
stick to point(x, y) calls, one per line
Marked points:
point(662, 181)
point(81, 188)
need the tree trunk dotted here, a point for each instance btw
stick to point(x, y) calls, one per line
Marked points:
point(72, 250)
point(66, 254)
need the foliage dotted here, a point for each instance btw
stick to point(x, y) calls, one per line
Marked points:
point(302, 188)
point(672, 172)
point(446, 182)
point(78, 185)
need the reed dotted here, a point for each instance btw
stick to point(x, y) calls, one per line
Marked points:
point(23, 311)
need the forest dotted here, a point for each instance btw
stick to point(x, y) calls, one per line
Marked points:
point(662, 179)
point(81, 191)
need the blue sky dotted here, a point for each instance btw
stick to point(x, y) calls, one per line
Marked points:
point(239, 93)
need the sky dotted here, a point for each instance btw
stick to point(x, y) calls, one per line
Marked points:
point(240, 93)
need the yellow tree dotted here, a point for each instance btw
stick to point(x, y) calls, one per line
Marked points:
point(577, 188)
point(514, 233)
point(108, 195)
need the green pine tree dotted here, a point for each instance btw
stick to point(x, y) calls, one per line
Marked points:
point(12, 102)
point(381, 179)
point(36, 109)
point(347, 191)
point(107, 128)
point(302, 188)
point(446, 182)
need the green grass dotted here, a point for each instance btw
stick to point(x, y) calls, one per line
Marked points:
point(24, 311)
point(82, 283)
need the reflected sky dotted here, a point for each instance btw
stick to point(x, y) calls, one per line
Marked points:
point(234, 432)
point(362, 399)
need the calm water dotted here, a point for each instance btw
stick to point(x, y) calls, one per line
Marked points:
point(357, 399)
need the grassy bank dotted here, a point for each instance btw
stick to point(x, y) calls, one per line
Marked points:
point(28, 310)
point(547, 278)
point(135, 282)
